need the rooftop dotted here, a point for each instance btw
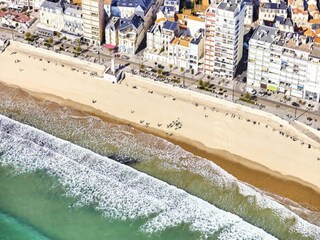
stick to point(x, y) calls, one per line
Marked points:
point(182, 41)
point(135, 22)
point(53, 4)
point(144, 4)
point(265, 33)
point(170, 25)
point(230, 7)
point(281, 6)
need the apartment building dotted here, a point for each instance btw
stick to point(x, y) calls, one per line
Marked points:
point(93, 21)
point(268, 11)
point(171, 43)
point(61, 17)
point(161, 34)
point(285, 62)
point(185, 52)
point(131, 34)
point(51, 15)
point(224, 38)
point(72, 21)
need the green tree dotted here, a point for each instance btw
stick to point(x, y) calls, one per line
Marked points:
point(142, 66)
point(50, 41)
point(160, 71)
point(247, 96)
point(170, 66)
point(200, 83)
point(28, 35)
point(78, 49)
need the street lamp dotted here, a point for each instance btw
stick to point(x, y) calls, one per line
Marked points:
point(232, 90)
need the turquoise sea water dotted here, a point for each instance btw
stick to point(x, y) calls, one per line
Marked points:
point(52, 189)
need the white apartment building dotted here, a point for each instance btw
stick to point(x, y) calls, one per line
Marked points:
point(185, 51)
point(224, 38)
point(93, 20)
point(72, 21)
point(161, 35)
point(284, 62)
point(61, 17)
point(169, 44)
point(51, 15)
point(131, 34)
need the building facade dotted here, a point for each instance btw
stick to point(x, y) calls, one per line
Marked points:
point(112, 32)
point(72, 21)
point(93, 21)
point(51, 15)
point(131, 34)
point(248, 17)
point(284, 62)
point(224, 38)
point(268, 11)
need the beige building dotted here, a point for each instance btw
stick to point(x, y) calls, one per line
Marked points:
point(93, 20)
point(285, 62)
point(51, 15)
point(268, 11)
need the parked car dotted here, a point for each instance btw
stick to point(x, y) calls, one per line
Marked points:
point(295, 104)
point(124, 57)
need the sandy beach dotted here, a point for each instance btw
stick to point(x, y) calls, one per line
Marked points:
point(254, 146)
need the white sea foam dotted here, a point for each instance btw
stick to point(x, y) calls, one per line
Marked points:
point(118, 191)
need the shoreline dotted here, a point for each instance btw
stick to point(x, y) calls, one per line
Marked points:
point(270, 170)
point(243, 169)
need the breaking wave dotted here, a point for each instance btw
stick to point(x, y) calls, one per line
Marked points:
point(117, 191)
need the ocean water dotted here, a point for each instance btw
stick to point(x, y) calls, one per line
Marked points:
point(98, 180)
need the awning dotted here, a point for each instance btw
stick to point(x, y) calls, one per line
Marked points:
point(272, 88)
point(110, 46)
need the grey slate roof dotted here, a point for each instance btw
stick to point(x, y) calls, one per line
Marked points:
point(282, 6)
point(73, 10)
point(144, 4)
point(230, 7)
point(113, 23)
point(288, 22)
point(54, 4)
point(135, 21)
point(170, 25)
